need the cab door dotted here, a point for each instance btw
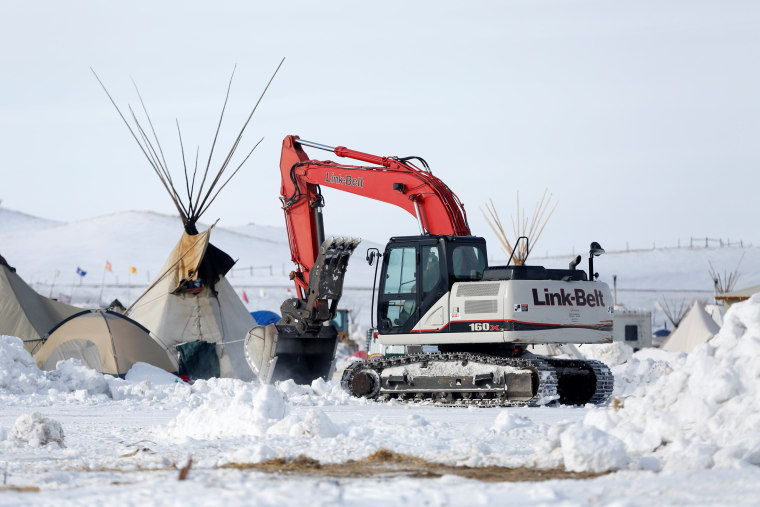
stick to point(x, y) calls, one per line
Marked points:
point(397, 304)
point(413, 279)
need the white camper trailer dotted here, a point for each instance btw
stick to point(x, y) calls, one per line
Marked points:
point(632, 327)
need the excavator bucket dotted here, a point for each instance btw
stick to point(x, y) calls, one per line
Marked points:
point(300, 346)
point(279, 353)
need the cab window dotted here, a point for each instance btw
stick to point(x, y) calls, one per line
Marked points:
point(469, 262)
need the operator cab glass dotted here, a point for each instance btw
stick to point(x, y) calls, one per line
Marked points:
point(417, 271)
point(468, 262)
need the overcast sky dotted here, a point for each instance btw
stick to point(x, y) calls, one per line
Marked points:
point(642, 118)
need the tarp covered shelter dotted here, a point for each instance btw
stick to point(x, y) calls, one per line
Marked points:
point(192, 301)
point(26, 314)
point(106, 341)
point(695, 328)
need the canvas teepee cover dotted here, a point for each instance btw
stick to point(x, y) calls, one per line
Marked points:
point(26, 314)
point(191, 301)
point(105, 341)
point(696, 327)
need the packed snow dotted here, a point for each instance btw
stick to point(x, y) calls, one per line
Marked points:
point(683, 427)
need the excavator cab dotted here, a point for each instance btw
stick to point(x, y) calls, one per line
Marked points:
point(418, 270)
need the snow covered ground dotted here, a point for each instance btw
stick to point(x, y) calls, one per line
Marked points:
point(680, 430)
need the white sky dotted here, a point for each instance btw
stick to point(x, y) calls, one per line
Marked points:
point(641, 117)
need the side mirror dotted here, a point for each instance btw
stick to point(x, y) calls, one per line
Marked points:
point(595, 250)
point(372, 255)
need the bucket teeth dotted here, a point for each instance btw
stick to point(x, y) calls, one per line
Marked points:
point(330, 266)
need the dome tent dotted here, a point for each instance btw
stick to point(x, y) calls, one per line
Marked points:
point(105, 341)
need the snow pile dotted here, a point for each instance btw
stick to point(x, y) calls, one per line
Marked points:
point(312, 424)
point(611, 354)
point(18, 371)
point(36, 430)
point(586, 448)
point(19, 374)
point(140, 372)
point(644, 368)
point(72, 375)
point(250, 414)
point(704, 414)
point(224, 416)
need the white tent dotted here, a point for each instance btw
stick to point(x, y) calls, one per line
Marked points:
point(696, 327)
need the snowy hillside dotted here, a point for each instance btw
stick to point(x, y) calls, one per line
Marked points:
point(39, 248)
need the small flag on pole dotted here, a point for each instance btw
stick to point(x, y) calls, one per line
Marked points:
point(108, 266)
point(132, 269)
point(245, 297)
point(80, 271)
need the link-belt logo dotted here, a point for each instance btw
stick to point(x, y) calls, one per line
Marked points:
point(578, 297)
point(347, 180)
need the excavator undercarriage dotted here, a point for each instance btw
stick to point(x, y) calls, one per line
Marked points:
point(467, 379)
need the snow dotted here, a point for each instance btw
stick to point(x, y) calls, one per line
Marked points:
point(685, 428)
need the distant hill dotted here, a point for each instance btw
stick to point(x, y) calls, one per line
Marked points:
point(12, 221)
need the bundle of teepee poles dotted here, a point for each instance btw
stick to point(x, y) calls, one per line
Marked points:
point(200, 198)
point(726, 282)
point(522, 225)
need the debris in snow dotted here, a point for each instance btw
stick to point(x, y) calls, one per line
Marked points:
point(36, 430)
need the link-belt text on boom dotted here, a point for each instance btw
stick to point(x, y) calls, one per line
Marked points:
point(578, 297)
point(349, 181)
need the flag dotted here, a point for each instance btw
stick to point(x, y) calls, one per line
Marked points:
point(80, 271)
point(132, 269)
point(108, 266)
point(57, 273)
point(245, 298)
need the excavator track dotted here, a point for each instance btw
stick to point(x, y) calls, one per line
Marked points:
point(467, 379)
point(583, 381)
point(454, 379)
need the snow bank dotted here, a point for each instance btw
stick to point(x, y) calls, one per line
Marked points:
point(19, 374)
point(36, 430)
point(18, 371)
point(693, 412)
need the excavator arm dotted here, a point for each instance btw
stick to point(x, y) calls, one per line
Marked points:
point(393, 180)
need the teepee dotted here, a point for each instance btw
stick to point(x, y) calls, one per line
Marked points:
point(190, 307)
point(695, 328)
point(26, 314)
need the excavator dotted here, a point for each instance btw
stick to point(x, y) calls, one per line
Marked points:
point(464, 326)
